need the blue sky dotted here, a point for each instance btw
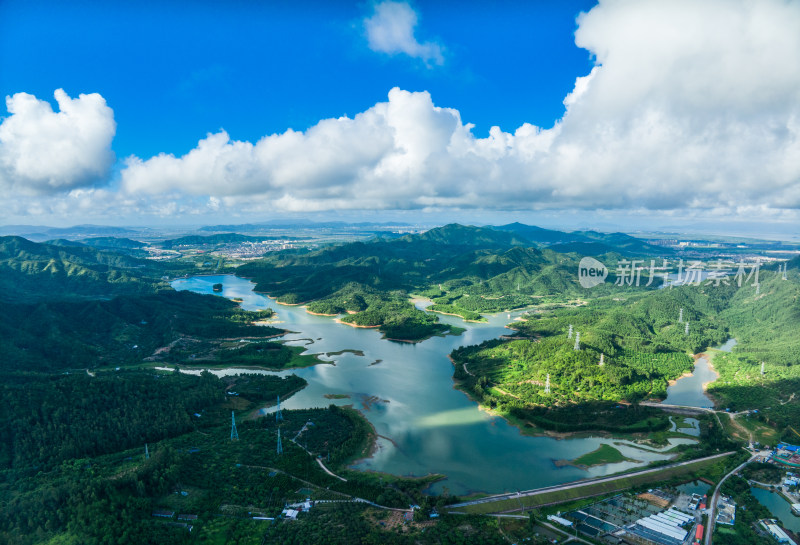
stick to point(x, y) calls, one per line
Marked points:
point(173, 71)
point(584, 113)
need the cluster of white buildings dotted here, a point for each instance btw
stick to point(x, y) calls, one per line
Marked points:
point(291, 511)
point(665, 527)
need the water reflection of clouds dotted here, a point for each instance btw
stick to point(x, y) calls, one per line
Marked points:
point(454, 417)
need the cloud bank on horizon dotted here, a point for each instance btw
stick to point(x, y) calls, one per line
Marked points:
point(690, 105)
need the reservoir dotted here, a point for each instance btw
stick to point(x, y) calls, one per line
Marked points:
point(406, 391)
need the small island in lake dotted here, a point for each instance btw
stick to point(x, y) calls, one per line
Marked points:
point(217, 287)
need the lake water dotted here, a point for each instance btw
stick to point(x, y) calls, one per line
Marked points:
point(688, 391)
point(406, 391)
point(779, 508)
point(695, 487)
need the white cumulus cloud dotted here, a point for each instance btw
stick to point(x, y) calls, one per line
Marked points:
point(42, 151)
point(690, 105)
point(390, 30)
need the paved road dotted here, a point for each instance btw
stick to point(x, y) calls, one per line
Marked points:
point(687, 408)
point(715, 499)
point(329, 472)
point(577, 484)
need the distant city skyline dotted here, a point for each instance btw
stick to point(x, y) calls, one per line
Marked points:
point(622, 114)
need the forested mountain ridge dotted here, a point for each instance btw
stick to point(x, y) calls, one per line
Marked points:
point(122, 331)
point(454, 234)
point(32, 271)
point(107, 243)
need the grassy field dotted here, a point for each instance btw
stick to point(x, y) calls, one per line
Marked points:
point(605, 454)
point(744, 428)
point(593, 489)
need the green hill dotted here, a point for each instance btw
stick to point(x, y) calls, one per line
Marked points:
point(459, 235)
point(51, 336)
point(31, 271)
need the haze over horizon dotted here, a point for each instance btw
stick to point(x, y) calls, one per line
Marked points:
point(637, 115)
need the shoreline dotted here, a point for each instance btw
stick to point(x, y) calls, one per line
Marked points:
point(338, 321)
point(372, 442)
point(254, 414)
point(671, 383)
point(182, 367)
point(529, 429)
point(319, 313)
point(280, 302)
point(709, 362)
point(483, 321)
point(373, 449)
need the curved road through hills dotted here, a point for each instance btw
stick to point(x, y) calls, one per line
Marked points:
point(712, 516)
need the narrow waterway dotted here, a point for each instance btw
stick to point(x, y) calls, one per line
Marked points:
point(690, 391)
point(406, 391)
point(778, 506)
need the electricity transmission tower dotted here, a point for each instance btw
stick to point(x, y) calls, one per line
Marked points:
point(280, 445)
point(577, 340)
point(547, 384)
point(234, 433)
point(278, 413)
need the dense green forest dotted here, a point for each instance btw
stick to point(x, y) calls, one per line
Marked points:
point(121, 331)
point(76, 471)
point(53, 418)
point(644, 346)
point(766, 326)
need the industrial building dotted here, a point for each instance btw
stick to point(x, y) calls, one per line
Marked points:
point(777, 533)
point(663, 528)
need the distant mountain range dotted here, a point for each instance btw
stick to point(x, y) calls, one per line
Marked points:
point(515, 234)
point(585, 242)
point(40, 233)
point(304, 223)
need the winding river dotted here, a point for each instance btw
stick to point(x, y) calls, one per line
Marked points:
point(406, 391)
